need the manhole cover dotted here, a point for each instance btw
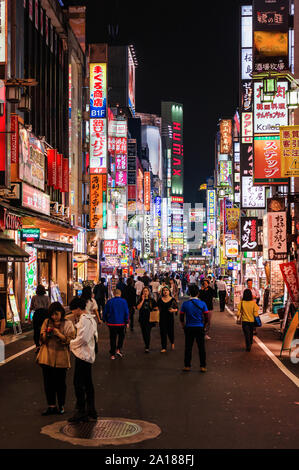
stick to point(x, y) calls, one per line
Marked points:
point(102, 429)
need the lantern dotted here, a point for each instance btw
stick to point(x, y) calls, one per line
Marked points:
point(292, 99)
point(270, 86)
point(13, 94)
point(25, 103)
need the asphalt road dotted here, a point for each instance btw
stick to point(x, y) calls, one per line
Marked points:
point(243, 402)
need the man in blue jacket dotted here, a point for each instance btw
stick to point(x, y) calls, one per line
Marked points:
point(116, 315)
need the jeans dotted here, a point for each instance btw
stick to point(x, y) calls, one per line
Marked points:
point(222, 295)
point(84, 389)
point(146, 328)
point(167, 329)
point(195, 333)
point(116, 333)
point(54, 383)
point(248, 327)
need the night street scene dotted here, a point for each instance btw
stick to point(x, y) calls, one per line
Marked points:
point(149, 232)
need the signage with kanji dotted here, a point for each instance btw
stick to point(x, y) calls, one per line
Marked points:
point(267, 165)
point(289, 143)
point(277, 235)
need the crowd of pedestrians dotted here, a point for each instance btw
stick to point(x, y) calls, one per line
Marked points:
point(157, 301)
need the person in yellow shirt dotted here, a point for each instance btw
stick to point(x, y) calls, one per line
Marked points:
point(247, 310)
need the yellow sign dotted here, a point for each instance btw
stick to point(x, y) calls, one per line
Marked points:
point(232, 218)
point(289, 150)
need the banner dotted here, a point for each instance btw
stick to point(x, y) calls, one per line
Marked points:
point(110, 247)
point(267, 163)
point(249, 234)
point(59, 171)
point(147, 191)
point(51, 157)
point(231, 248)
point(14, 138)
point(226, 136)
point(289, 141)
point(277, 235)
point(290, 277)
point(96, 199)
point(65, 175)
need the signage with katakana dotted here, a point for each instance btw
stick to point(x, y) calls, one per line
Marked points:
point(98, 146)
point(267, 168)
point(268, 117)
point(290, 276)
point(289, 142)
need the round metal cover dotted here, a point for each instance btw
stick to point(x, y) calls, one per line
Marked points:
point(101, 429)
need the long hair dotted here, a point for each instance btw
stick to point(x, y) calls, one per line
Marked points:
point(150, 298)
point(56, 307)
point(247, 294)
point(86, 293)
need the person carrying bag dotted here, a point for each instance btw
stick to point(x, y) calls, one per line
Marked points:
point(248, 316)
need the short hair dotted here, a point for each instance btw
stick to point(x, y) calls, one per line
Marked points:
point(40, 290)
point(130, 281)
point(103, 279)
point(249, 279)
point(56, 307)
point(116, 292)
point(220, 277)
point(86, 293)
point(193, 290)
point(78, 302)
point(247, 294)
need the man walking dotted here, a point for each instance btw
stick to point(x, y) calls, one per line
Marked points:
point(196, 316)
point(116, 315)
point(83, 347)
point(101, 296)
point(222, 289)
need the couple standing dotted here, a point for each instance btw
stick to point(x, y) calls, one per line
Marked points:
point(57, 339)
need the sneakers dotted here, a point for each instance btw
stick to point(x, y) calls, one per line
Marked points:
point(203, 369)
point(146, 350)
point(186, 369)
point(112, 358)
point(119, 354)
point(51, 410)
point(163, 350)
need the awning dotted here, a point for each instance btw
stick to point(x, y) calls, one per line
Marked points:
point(10, 251)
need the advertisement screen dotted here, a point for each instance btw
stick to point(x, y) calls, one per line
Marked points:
point(177, 150)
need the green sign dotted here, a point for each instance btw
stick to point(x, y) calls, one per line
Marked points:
point(30, 235)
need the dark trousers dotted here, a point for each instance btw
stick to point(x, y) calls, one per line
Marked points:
point(84, 389)
point(222, 295)
point(248, 327)
point(54, 383)
point(195, 333)
point(38, 319)
point(167, 329)
point(101, 306)
point(131, 314)
point(117, 333)
point(146, 328)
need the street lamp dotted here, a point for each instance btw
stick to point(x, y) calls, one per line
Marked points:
point(13, 88)
point(270, 86)
point(25, 103)
point(292, 98)
point(266, 98)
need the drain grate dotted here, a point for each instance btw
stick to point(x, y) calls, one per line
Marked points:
point(101, 429)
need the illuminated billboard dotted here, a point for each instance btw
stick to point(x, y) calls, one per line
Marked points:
point(98, 146)
point(177, 150)
point(267, 161)
point(268, 117)
point(131, 82)
point(98, 90)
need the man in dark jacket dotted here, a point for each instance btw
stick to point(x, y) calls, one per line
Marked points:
point(116, 315)
point(120, 285)
point(129, 294)
point(101, 295)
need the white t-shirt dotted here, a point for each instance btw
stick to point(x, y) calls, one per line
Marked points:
point(155, 286)
point(83, 346)
point(139, 286)
point(192, 279)
point(91, 306)
point(221, 285)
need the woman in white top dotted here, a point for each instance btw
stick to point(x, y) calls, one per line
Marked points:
point(155, 284)
point(91, 304)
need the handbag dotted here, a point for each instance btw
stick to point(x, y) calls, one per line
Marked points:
point(257, 321)
point(154, 315)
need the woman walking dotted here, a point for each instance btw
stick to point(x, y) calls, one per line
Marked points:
point(54, 356)
point(145, 305)
point(39, 304)
point(206, 294)
point(91, 304)
point(167, 306)
point(247, 311)
point(174, 289)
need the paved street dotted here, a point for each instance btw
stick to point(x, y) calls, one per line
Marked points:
point(243, 401)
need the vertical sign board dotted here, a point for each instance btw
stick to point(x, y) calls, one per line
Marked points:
point(226, 136)
point(177, 150)
point(270, 35)
point(98, 91)
point(3, 136)
point(253, 197)
point(96, 199)
point(147, 191)
point(277, 235)
point(268, 117)
point(289, 141)
point(267, 161)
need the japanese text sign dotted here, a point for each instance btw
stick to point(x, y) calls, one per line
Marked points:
point(267, 165)
point(34, 199)
point(211, 209)
point(249, 240)
point(147, 191)
point(277, 235)
point(253, 197)
point(268, 117)
point(289, 142)
point(98, 146)
point(226, 136)
point(98, 90)
point(96, 200)
point(290, 276)
point(247, 128)
point(110, 247)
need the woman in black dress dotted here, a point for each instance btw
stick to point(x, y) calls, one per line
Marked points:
point(167, 306)
point(145, 305)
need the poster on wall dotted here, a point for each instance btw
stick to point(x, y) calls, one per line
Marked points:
point(31, 159)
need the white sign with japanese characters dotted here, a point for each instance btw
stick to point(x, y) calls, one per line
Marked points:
point(268, 117)
point(253, 197)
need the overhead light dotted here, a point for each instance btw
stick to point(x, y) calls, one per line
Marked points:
point(266, 98)
point(292, 99)
point(270, 86)
point(25, 103)
point(13, 94)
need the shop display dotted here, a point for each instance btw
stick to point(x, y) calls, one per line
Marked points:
point(30, 279)
point(55, 293)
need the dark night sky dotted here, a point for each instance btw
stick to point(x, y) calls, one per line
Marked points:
point(185, 55)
